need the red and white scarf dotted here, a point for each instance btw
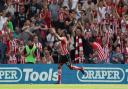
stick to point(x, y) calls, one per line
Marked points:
point(79, 49)
point(39, 49)
point(106, 47)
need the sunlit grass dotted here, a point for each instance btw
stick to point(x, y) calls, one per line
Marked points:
point(63, 86)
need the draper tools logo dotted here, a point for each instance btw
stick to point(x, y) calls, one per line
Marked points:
point(101, 74)
point(10, 74)
point(15, 75)
point(31, 75)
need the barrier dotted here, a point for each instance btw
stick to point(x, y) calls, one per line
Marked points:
point(47, 74)
point(26, 74)
point(98, 74)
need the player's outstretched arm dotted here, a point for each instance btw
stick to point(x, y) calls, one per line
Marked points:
point(56, 35)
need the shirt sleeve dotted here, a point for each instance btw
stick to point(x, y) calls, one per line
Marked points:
point(64, 40)
point(94, 46)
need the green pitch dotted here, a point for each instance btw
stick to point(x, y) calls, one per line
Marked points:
point(63, 86)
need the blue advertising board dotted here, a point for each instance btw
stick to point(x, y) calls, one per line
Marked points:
point(26, 74)
point(47, 74)
point(97, 74)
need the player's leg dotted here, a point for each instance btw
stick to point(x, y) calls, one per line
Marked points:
point(76, 68)
point(59, 72)
point(69, 64)
point(60, 64)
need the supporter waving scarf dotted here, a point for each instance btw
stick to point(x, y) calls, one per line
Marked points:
point(78, 50)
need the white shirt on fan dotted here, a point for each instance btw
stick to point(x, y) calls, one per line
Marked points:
point(11, 9)
point(74, 4)
point(65, 3)
point(50, 39)
point(102, 11)
point(2, 22)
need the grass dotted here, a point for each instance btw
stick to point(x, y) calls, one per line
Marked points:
point(63, 86)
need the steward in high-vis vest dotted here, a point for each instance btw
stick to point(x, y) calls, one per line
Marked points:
point(30, 51)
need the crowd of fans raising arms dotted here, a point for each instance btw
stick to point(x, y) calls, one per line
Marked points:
point(96, 31)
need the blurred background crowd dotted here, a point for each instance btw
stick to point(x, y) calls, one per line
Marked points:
point(95, 30)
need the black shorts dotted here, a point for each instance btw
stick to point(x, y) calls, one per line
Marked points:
point(65, 59)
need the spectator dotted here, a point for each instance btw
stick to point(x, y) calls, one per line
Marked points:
point(27, 29)
point(9, 22)
point(10, 8)
point(46, 16)
point(2, 5)
point(3, 20)
point(66, 3)
point(54, 8)
point(21, 17)
point(101, 10)
point(120, 7)
point(30, 52)
point(78, 20)
point(88, 4)
point(50, 40)
point(3, 48)
point(98, 51)
point(33, 9)
point(20, 52)
point(48, 56)
point(74, 4)
point(117, 56)
point(40, 54)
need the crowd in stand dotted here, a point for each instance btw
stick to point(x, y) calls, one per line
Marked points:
point(96, 31)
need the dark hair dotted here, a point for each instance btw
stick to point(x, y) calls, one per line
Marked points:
point(91, 39)
point(121, 3)
point(114, 47)
point(30, 39)
point(64, 7)
point(71, 11)
point(1, 11)
point(8, 14)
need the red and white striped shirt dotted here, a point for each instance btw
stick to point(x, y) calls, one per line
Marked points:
point(39, 46)
point(17, 5)
point(12, 60)
point(63, 46)
point(96, 46)
point(14, 45)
